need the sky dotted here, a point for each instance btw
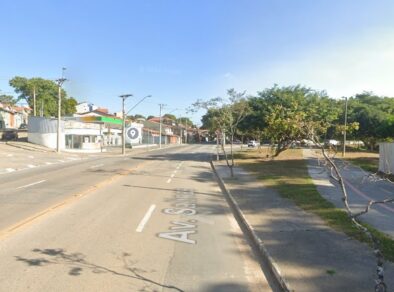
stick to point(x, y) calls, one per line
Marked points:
point(179, 51)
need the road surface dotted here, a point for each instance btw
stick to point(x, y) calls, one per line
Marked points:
point(149, 222)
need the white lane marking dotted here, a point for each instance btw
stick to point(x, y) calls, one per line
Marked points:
point(146, 218)
point(32, 184)
point(10, 155)
point(48, 163)
point(98, 165)
point(31, 166)
point(10, 169)
point(169, 180)
point(61, 160)
point(172, 175)
point(30, 156)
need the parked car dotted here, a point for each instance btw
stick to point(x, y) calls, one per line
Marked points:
point(252, 143)
point(10, 134)
point(331, 142)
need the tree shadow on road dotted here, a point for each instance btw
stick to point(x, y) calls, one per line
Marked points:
point(78, 263)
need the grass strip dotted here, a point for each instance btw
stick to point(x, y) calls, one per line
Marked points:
point(367, 163)
point(288, 175)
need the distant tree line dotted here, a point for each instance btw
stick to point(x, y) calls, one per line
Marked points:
point(284, 115)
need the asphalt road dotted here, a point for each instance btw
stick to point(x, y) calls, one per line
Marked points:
point(149, 222)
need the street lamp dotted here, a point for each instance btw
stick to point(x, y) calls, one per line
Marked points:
point(60, 82)
point(141, 100)
point(344, 131)
point(123, 97)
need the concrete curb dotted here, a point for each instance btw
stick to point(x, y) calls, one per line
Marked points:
point(257, 241)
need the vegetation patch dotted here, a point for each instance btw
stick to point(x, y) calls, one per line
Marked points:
point(288, 174)
point(367, 163)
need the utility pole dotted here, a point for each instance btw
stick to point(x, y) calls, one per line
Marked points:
point(60, 82)
point(123, 97)
point(187, 134)
point(344, 131)
point(161, 107)
point(34, 100)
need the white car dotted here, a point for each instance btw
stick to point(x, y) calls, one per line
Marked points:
point(252, 143)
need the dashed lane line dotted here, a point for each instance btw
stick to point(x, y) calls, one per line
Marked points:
point(69, 200)
point(32, 184)
point(146, 218)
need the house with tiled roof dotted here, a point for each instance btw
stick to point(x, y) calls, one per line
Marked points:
point(13, 116)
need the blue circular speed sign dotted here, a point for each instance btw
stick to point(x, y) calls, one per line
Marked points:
point(132, 133)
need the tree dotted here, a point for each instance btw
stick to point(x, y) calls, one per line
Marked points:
point(224, 116)
point(46, 94)
point(170, 117)
point(375, 116)
point(185, 121)
point(295, 113)
point(7, 99)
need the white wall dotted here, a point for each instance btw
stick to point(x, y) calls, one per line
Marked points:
point(46, 139)
point(386, 157)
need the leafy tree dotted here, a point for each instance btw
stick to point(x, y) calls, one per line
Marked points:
point(170, 117)
point(46, 94)
point(294, 113)
point(7, 99)
point(185, 121)
point(224, 116)
point(375, 116)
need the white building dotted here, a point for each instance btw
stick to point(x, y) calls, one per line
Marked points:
point(85, 107)
point(85, 134)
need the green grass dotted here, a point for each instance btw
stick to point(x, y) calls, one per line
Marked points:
point(367, 163)
point(288, 175)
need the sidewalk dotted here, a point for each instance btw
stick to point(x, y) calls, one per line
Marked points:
point(309, 255)
point(360, 191)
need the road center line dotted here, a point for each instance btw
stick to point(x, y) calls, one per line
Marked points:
point(32, 184)
point(98, 165)
point(146, 218)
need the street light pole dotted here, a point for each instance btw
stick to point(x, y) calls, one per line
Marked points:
point(161, 107)
point(123, 97)
point(344, 132)
point(60, 82)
